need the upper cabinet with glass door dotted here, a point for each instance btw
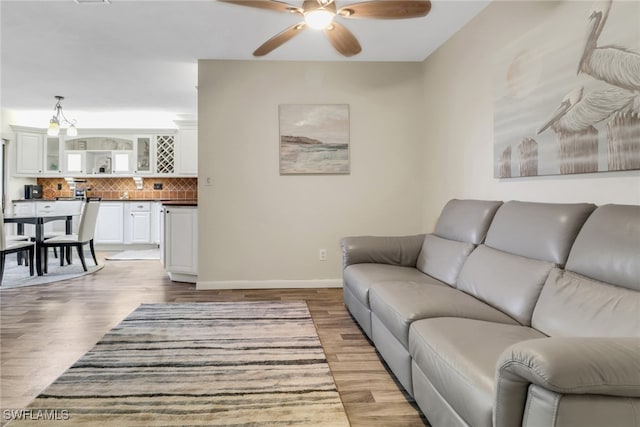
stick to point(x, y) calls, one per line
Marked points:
point(99, 155)
point(144, 151)
point(52, 155)
point(105, 152)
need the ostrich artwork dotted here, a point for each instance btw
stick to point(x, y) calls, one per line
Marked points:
point(618, 67)
point(574, 124)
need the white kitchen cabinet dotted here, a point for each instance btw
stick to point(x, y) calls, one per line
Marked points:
point(187, 148)
point(29, 153)
point(24, 209)
point(137, 222)
point(75, 162)
point(67, 207)
point(110, 223)
point(96, 152)
point(181, 243)
point(144, 155)
point(156, 207)
point(122, 162)
point(49, 207)
point(51, 152)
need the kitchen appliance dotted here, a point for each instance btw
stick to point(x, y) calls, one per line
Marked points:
point(80, 189)
point(33, 191)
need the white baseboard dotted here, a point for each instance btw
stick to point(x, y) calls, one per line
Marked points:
point(268, 284)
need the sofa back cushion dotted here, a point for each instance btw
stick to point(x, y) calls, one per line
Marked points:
point(462, 225)
point(524, 242)
point(466, 220)
point(442, 258)
point(508, 282)
point(543, 231)
point(574, 305)
point(599, 293)
point(608, 246)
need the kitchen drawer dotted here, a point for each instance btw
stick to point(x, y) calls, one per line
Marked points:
point(139, 206)
point(45, 208)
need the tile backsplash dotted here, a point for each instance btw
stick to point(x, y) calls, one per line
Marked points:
point(114, 188)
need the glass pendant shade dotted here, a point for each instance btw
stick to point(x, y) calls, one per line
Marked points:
point(59, 117)
point(54, 128)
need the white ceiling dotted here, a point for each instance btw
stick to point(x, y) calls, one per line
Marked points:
point(142, 55)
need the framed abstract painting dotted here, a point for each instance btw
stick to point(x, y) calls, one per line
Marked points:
point(314, 139)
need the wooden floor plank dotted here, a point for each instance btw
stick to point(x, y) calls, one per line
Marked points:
point(45, 329)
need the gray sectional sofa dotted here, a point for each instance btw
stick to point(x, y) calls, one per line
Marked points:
point(508, 314)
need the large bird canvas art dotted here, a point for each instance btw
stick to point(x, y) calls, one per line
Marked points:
point(567, 94)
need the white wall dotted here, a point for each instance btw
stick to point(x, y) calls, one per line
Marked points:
point(458, 122)
point(258, 226)
point(14, 185)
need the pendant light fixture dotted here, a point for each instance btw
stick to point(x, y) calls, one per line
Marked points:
point(58, 119)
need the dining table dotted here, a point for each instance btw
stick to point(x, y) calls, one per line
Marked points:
point(39, 221)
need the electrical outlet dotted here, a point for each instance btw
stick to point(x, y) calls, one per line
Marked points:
point(322, 254)
point(157, 186)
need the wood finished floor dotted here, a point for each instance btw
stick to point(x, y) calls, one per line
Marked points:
point(45, 329)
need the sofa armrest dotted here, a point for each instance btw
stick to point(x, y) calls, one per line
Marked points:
point(395, 250)
point(565, 365)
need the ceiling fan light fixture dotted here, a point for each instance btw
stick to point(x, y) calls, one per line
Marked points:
point(319, 19)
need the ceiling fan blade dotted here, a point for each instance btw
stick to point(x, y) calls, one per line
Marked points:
point(279, 39)
point(275, 5)
point(386, 9)
point(342, 39)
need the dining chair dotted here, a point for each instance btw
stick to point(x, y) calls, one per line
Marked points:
point(86, 231)
point(8, 245)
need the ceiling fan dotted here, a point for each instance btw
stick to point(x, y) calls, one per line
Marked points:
point(321, 14)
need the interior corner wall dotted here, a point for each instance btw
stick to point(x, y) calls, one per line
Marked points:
point(458, 122)
point(257, 227)
point(14, 185)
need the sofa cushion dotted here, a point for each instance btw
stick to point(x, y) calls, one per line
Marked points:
point(574, 305)
point(442, 258)
point(508, 282)
point(608, 246)
point(459, 357)
point(397, 305)
point(358, 278)
point(466, 220)
point(543, 231)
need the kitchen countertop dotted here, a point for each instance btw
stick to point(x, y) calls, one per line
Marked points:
point(163, 201)
point(180, 203)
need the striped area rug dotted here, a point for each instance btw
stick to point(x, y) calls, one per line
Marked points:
point(231, 364)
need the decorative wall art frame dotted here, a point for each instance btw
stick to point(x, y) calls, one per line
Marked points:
point(314, 139)
point(567, 94)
